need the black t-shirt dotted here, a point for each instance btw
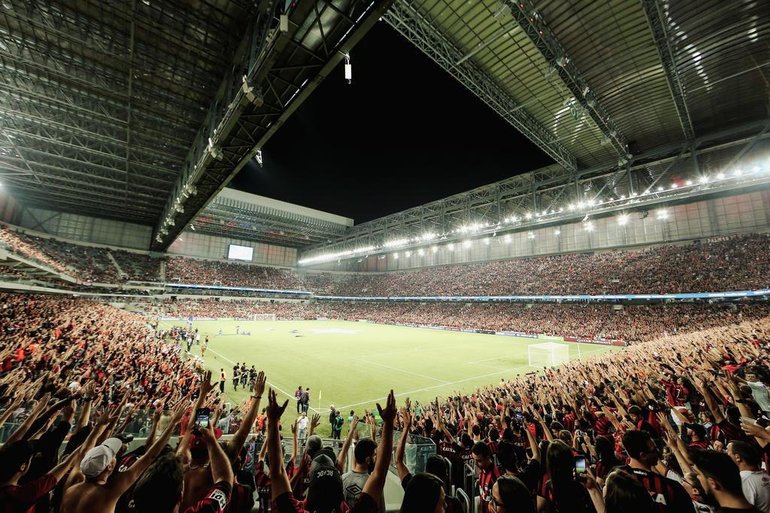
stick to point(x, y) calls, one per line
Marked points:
point(733, 510)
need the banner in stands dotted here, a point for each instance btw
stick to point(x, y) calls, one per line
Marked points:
point(516, 334)
point(582, 297)
point(600, 341)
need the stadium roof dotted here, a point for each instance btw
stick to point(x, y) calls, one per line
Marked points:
point(143, 110)
point(246, 216)
point(594, 82)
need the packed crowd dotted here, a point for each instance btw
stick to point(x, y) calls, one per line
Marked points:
point(85, 263)
point(215, 272)
point(631, 323)
point(728, 263)
point(676, 425)
point(720, 264)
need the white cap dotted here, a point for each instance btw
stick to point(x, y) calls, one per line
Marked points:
point(98, 459)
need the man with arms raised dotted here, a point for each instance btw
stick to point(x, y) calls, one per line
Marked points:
point(100, 491)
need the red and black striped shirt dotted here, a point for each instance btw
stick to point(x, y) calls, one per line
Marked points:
point(666, 493)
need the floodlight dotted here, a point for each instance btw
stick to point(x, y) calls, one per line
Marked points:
point(662, 214)
point(703, 179)
point(688, 183)
point(450, 247)
point(720, 176)
point(531, 235)
point(408, 254)
point(623, 219)
point(421, 252)
point(466, 243)
point(486, 241)
point(434, 249)
point(395, 256)
point(661, 188)
point(589, 226)
point(507, 239)
point(528, 215)
point(557, 232)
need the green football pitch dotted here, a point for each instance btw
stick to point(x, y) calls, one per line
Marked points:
point(353, 365)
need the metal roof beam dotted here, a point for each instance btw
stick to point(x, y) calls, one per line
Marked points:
point(405, 18)
point(531, 21)
point(657, 20)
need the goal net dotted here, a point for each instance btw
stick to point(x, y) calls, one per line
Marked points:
point(263, 317)
point(548, 354)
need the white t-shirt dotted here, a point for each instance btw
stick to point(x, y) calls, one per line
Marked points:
point(302, 423)
point(756, 488)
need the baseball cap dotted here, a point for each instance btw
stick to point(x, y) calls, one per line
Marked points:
point(314, 445)
point(324, 492)
point(98, 459)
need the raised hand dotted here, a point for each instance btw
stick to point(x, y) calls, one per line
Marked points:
point(274, 411)
point(388, 415)
point(205, 385)
point(314, 422)
point(259, 387)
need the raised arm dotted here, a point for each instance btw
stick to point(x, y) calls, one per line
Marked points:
point(279, 479)
point(374, 485)
point(403, 471)
point(343, 455)
point(123, 481)
point(204, 388)
point(235, 444)
point(20, 433)
point(221, 469)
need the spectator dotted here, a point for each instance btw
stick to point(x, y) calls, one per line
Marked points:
point(720, 478)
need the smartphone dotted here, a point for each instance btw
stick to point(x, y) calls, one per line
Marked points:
point(580, 465)
point(202, 417)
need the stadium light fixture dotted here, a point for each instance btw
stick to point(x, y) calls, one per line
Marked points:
point(674, 185)
point(466, 243)
point(528, 215)
point(661, 188)
point(395, 243)
point(486, 241)
point(662, 214)
point(434, 249)
point(408, 254)
point(623, 219)
point(557, 232)
point(530, 235)
point(688, 183)
point(450, 247)
point(507, 239)
point(421, 252)
point(703, 179)
point(395, 256)
point(720, 176)
point(589, 226)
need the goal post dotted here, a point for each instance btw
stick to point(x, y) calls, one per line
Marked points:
point(548, 354)
point(263, 317)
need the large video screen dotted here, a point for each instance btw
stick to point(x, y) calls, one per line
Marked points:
point(235, 252)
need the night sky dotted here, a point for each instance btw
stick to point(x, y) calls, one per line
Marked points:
point(402, 134)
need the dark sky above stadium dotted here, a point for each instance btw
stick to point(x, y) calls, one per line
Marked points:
point(402, 134)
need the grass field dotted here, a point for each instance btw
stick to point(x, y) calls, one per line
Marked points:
point(353, 365)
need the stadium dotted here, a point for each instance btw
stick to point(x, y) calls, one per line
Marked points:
point(428, 255)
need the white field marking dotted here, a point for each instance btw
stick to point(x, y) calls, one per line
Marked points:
point(370, 401)
point(284, 392)
point(402, 370)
